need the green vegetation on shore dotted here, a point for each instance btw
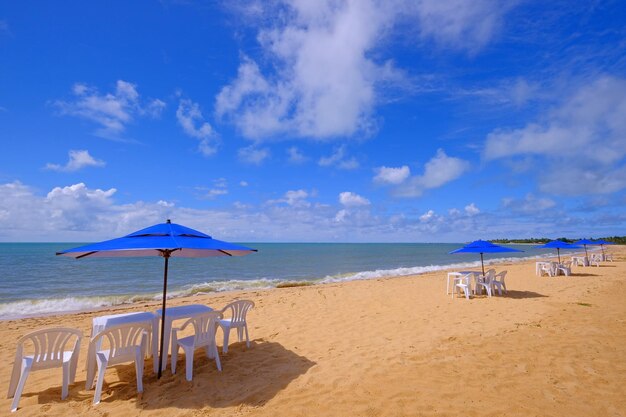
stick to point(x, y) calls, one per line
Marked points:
point(619, 240)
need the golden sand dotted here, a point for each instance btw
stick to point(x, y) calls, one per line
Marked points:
point(554, 346)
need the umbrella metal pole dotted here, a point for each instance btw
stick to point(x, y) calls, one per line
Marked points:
point(482, 263)
point(558, 253)
point(166, 255)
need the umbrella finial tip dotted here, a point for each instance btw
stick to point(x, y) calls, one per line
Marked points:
point(168, 221)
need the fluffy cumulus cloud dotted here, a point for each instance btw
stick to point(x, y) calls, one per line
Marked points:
point(325, 61)
point(350, 199)
point(77, 160)
point(79, 213)
point(438, 171)
point(190, 118)
point(581, 140)
point(385, 175)
point(112, 112)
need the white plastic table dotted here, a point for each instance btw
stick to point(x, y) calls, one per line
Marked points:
point(459, 274)
point(103, 322)
point(177, 313)
point(580, 260)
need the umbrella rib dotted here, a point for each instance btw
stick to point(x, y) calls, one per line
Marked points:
point(224, 252)
point(86, 254)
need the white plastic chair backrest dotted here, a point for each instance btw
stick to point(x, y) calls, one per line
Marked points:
point(489, 276)
point(500, 276)
point(46, 346)
point(238, 310)
point(204, 326)
point(121, 341)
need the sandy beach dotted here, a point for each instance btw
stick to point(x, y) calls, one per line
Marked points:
point(554, 346)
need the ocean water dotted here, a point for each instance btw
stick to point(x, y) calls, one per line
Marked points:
point(34, 281)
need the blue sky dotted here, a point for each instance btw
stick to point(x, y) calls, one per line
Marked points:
point(313, 120)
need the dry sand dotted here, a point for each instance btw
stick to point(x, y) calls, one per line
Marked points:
point(386, 347)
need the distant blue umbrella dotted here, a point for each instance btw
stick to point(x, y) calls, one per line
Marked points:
point(585, 242)
point(558, 245)
point(484, 246)
point(603, 242)
point(166, 240)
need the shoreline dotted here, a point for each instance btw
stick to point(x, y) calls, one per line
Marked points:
point(344, 277)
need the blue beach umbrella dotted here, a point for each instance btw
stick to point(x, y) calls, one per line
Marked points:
point(166, 240)
point(558, 245)
point(603, 242)
point(585, 242)
point(484, 246)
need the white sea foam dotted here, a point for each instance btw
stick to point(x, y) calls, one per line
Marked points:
point(39, 307)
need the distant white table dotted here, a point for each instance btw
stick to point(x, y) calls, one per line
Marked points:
point(177, 313)
point(459, 274)
point(580, 260)
point(103, 322)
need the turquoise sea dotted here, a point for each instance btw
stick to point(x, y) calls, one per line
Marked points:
point(34, 281)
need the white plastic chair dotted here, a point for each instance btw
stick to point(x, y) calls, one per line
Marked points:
point(486, 282)
point(498, 281)
point(463, 283)
point(119, 344)
point(596, 258)
point(549, 269)
point(238, 311)
point(48, 348)
point(608, 257)
point(566, 268)
point(205, 327)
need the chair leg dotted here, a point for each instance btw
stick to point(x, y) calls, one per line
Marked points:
point(26, 365)
point(189, 364)
point(102, 366)
point(66, 379)
point(226, 331)
point(139, 355)
point(247, 338)
point(175, 348)
point(218, 363)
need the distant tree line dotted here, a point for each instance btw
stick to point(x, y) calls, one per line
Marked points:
point(620, 240)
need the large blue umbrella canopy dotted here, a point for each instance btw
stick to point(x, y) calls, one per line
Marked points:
point(165, 240)
point(585, 242)
point(484, 246)
point(558, 245)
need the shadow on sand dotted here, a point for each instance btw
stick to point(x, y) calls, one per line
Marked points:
point(250, 377)
point(517, 295)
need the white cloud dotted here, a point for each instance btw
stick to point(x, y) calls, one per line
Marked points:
point(77, 160)
point(338, 159)
point(582, 140)
point(78, 213)
point(386, 175)
point(191, 120)
point(111, 111)
point(325, 61)
point(295, 155)
point(459, 23)
point(529, 204)
point(243, 183)
point(293, 198)
point(428, 216)
point(220, 187)
point(253, 155)
point(438, 171)
point(350, 199)
point(471, 209)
